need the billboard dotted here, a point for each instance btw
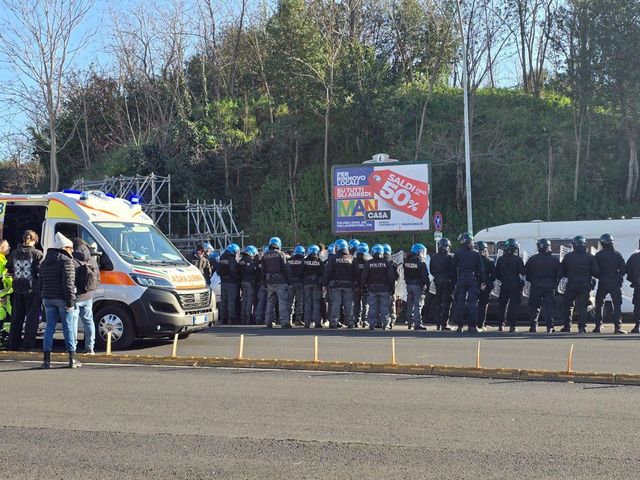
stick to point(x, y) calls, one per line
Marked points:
point(381, 197)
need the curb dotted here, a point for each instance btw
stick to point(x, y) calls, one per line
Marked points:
point(358, 367)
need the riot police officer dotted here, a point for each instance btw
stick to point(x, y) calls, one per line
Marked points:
point(633, 276)
point(360, 305)
point(340, 274)
point(312, 280)
point(378, 278)
point(485, 293)
point(611, 270)
point(261, 296)
point(416, 276)
point(296, 288)
point(579, 266)
point(442, 271)
point(276, 277)
point(543, 272)
point(509, 270)
point(393, 314)
point(229, 280)
point(354, 243)
point(468, 271)
point(248, 266)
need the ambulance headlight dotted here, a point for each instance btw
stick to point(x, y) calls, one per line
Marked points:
point(149, 281)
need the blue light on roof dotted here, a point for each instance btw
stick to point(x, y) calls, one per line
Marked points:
point(72, 192)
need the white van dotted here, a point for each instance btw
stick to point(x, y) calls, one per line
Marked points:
point(626, 233)
point(148, 289)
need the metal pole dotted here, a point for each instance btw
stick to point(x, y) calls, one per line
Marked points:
point(467, 134)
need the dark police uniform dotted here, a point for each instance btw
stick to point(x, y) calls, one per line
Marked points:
point(442, 271)
point(508, 270)
point(611, 271)
point(416, 276)
point(312, 281)
point(543, 271)
point(340, 274)
point(468, 271)
point(360, 305)
point(483, 295)
point(579, 267)
point(261, 295)
point(229, 281)
point(296, 288)
point(276, 277)
point(633, 276)
point(248, 267)
point(379, 278)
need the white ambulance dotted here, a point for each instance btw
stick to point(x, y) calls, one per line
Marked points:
point(148, 289)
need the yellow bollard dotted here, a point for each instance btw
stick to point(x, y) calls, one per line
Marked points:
point(570, 360)
point(108, 342)
point(478, 356)
point(241, 350)
point(174, 351)
point(315, 348)
point(393, 351)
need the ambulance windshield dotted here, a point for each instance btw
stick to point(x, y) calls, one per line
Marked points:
point(140, 243)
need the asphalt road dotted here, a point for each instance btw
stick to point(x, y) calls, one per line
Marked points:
point(113, 422)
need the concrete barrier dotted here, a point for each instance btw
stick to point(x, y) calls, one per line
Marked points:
point(627, 379)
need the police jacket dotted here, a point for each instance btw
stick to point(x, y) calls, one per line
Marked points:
point(228, 268)
point(416, 271)
point(312, 270)
point(387, 256)
point(274, 267)
point(468, 263)
point(379, 275)
point(248, 267)
point(489, 271)
point(509, 268)
point(296, 268)
point(611, 266)
point(58, 277)
point(441, 266)
point(543, 270)
point(633, 270)
point(360, 261)
point(24, 265)
point(340, 271)
point(579, 266)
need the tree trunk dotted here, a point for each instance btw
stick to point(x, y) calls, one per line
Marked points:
point(549, 181)
point(578, 123)
point(53, 158)
point(326, 149)
point(632, 179)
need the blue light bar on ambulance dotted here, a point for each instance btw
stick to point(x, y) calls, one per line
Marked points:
point(135, 200)
point(72, 192)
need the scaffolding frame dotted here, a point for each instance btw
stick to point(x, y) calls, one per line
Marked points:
point(205, 222)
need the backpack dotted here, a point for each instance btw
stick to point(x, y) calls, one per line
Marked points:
point(23, 271)
point(87, 277)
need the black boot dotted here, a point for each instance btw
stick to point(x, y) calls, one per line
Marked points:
point(46, 361)
point(73, 360)
point(636, 329)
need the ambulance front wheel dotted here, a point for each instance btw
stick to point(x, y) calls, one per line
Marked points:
point(118, 321)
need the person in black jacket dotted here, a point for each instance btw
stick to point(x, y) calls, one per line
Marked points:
point(416, 276)
point(509, 270)
point(229, 283)
point(579, 267)
point(24, 266)
point(58, 283)
point(87, 281)
point(360, 304)
point(275, 274)
point(485, 293)
point(296, 289)
point(468, 271)
point(379, 279)
point(611, 270)
point(312, 280)
point(248, 266)
point(441, 269)
point(543, 272)
point(340, 275)
point(633, 276)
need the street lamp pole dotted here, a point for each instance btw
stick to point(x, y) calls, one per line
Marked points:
point(467, 133)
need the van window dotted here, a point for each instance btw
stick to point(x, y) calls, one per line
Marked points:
point(19, 218)
point(74, 230)
point(556, 244)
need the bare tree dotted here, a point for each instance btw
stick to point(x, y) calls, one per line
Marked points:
point(39, 42)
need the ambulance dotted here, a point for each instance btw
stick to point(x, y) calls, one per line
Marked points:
point(147, 288)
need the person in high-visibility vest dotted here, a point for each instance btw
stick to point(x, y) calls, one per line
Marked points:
point(6, 289)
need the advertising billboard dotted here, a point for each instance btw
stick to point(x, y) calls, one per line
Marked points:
point(381, 197)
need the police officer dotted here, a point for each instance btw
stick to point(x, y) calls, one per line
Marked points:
point(468, 271)
point(360, 305)
point(261, 296)
point(276, 277)
point(611, 270)
point(378, 278)
point(484, 294)
point(543, 272)
point(354, 243)
point(393, 315)
point(248, 266)
point(416, 276)
point(296, 288)
point(312, 281)
point(441, 267)
point(229, 280)
point(579, 266)
point(340, 274)
point(509, 270)
point(633, 276)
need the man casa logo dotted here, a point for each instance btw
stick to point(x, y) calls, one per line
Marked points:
point(366, 208)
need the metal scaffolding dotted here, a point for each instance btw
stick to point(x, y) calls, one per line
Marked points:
point(186, 224)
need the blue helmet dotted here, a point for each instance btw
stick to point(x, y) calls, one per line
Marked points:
point(341, 246)
point(299, 250)
point(387, 248)
point(251, 250)
point(363, 248)
point(418, 248)
point(275, 242)
point(265, 249)
point(207, 246)
point(354, 243)
point(233, 248)
point(377, 250)
point(331, 248)
point(215, 255)
point(313, 250)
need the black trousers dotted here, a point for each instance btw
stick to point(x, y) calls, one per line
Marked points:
point(611, 287)
point(511, 295)
point(577, 293)
point(25, 313)
point(483, 304)
point(541, 304)
point(443, 300)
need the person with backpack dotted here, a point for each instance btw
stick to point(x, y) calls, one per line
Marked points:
point(87, 281)
point(24, 266)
